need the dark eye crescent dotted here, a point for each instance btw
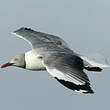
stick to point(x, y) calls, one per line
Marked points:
point(16, 59)
point(40, 57)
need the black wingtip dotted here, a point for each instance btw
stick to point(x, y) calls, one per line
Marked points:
point(22, 29)
point(86, 89)
point(90, 91)
point(97, 69)
point(26, 28)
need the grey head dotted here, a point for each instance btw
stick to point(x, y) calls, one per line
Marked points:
point(18, 61)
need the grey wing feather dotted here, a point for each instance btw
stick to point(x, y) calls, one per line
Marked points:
point(69, 64)
point(37, 39)
point(68, 70)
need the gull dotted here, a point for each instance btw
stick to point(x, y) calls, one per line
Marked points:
point(53, 54)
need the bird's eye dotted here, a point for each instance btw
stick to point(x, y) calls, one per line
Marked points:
point(59, 43)
point(40, 57)
point(16, 59)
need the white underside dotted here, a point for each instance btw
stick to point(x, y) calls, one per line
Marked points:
point(33, 62)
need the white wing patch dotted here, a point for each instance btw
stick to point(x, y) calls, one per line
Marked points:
point(81, 91)
point(65, 77)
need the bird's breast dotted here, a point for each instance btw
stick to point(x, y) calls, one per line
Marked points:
point(33, 62)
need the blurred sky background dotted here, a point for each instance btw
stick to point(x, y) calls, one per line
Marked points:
point(83, 24)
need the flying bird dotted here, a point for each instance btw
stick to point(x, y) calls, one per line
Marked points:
point(53, 54)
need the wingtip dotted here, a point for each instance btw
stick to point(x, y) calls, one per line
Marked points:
point(22, 29)
point(97, 69)
point(86, 91)
point(13, 33)
point(89, 92)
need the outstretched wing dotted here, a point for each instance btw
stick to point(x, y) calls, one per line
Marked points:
point(68, 70)
point(36, 39)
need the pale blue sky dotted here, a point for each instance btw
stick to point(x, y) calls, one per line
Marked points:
point(84, 24)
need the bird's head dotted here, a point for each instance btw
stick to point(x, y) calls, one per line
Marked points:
point(18, 61)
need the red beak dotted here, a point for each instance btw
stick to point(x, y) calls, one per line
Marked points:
point(6, 65)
